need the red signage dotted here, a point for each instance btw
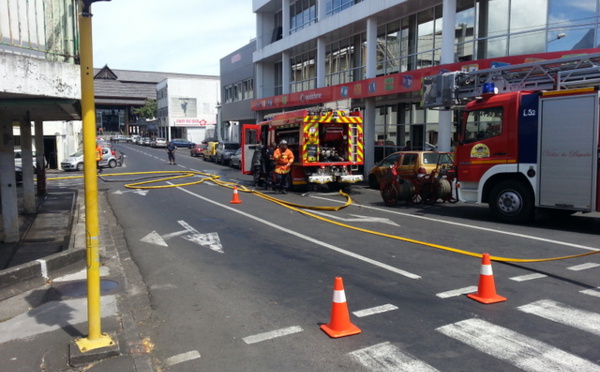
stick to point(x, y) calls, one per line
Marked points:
point(403, 82)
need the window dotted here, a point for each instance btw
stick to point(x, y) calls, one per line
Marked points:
point(483, 124)
point(302, 13)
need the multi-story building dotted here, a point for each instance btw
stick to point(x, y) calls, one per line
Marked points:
point(372, 55)
point(187, 108)
point(41, 83)
point(237, 91)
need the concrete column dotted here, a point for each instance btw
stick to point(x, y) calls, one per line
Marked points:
point(39, 158)
point(369, 135)
point(27, 162)
point(371, 62)
point(286, 73)
point(320, 62)
point(448, 36)
point(285, 18)
point(8, 185)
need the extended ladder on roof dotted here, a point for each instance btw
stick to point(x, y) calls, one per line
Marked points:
point(452, 89)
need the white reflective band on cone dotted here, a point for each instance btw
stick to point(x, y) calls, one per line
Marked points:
point(339, 297)
point(486, 270)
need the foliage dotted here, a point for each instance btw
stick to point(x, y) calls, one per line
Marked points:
point(148, 111)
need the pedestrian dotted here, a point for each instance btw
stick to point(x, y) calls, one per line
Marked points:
point(257, 164)
point(283, 164)
point(171, 152)
point(98, 157)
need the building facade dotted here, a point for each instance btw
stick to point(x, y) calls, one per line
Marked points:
point(40, 83)
point(187, 108)
point(374, 53)
point(237, 91)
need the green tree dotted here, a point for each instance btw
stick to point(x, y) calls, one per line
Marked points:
point(148, 111)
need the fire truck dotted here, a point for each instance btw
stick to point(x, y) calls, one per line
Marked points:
point(327, 145)
point(527, 135)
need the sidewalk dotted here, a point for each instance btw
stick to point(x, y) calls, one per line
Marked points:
point(43, 292)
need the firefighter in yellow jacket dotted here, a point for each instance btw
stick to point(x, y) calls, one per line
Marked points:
point(283, 163)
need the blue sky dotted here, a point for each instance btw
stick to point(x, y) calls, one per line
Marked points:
point(183, 36)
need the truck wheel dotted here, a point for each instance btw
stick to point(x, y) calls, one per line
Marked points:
point(389, 194)
point(511, 201)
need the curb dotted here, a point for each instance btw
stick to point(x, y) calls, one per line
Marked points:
point(28, 276)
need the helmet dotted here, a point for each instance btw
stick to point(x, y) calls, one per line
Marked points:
point(283, 142)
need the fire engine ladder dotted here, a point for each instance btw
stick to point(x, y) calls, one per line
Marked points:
point(455, 88)
point(353, 144)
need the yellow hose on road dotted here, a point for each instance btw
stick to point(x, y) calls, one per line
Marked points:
point(302, 209)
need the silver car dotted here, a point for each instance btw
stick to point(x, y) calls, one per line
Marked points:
point(75, 161)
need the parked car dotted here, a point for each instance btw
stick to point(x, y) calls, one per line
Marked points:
point(19, 159)
point(159, 142)
point(198, 149)
point(224, 152)
point(210, 152)
point(236, 159)
point(181, 142)
point(408, 163)
point(75, 161)
point(146, 141)
point(121, 138)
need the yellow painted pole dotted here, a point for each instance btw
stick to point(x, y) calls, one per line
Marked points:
point(95, 339)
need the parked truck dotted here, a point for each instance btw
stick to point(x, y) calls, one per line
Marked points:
point(327, 145)
point(527, 136)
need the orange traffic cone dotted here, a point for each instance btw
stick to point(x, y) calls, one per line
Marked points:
point(486, 291)
point(236, 198)
point(339, 325)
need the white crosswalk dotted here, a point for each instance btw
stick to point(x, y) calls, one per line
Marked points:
point(505, 344)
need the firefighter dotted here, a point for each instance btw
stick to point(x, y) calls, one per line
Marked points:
point(257, 164)
point(283, 163)
point(98, 157)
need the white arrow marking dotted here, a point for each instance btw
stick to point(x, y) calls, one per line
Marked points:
point(154, 238)
point(358, 218)
point(210, 240)
point(135, 191)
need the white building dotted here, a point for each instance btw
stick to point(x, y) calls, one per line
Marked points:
point(187, 108)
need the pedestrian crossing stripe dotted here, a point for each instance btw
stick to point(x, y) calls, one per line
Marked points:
point(522, 351)
point(564, 314)
point(386, 357)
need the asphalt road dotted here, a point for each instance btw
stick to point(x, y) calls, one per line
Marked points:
point(245, 287)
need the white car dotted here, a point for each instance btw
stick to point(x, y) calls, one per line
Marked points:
point(75, 161)
point(159, 142)
point(19, 159)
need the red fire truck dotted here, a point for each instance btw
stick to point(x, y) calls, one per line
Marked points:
point(327, 145)
point(533, 146)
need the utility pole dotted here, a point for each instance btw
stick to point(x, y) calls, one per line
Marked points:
point(95, 338)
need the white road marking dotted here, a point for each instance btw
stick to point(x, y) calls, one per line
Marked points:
point(272, 334)
point(154, 238)
point(385, 357)
point(457, 292)
point(375, 310)
point(591, 292)
point(184, 357)
point(523, 278)
point(530, 237)
point(524, 352)
point(210, 240)
point(564, 314)
point(584, 266)
point(308, 238)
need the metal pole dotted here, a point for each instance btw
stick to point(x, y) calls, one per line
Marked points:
point(95, 339)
